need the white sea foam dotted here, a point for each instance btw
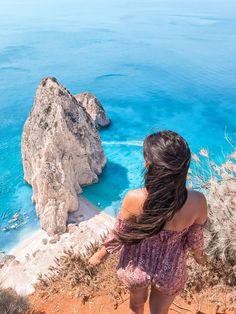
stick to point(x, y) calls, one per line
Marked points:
point(124, 143)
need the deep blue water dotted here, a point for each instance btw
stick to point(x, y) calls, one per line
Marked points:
point(153, 64)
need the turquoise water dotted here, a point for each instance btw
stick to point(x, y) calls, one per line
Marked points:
point(153, 64)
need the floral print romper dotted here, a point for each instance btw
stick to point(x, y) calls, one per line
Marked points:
point(158, 260)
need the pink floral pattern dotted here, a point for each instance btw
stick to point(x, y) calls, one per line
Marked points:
point(158, 260)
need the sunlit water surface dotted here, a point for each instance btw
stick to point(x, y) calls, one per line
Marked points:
point(153, 65)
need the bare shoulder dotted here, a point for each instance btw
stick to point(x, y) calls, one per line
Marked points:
point(198, 203)
point(133, 203)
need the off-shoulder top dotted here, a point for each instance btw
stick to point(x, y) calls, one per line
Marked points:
point(159, 260)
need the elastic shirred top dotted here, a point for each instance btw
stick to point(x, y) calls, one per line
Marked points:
point(159, 260)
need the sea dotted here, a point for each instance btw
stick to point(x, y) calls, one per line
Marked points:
point(153, 64)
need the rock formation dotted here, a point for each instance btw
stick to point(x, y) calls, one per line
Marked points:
point(61, 150)
point(93, 106)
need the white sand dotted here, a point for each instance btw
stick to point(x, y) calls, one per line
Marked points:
point(34, 257)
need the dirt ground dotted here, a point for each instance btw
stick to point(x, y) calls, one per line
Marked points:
point(65, 303)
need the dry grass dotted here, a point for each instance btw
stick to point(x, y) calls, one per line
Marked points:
point(209, 282)
point(89, 282)
point(72, 269)
point(219, 184)
point(12, 303)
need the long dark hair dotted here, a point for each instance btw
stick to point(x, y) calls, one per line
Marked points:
point(167, 157)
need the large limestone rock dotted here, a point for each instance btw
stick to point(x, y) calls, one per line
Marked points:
point(93, 106)
point(61, 150)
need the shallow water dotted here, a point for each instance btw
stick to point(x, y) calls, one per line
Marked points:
point(153, 64)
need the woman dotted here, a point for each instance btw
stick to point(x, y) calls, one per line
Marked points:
point(156, 226)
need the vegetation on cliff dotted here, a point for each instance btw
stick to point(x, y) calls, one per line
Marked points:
point(219, 273)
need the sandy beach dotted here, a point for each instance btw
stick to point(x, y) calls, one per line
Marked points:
point(37, 252)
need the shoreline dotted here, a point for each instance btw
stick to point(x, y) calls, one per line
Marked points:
point(36, 253)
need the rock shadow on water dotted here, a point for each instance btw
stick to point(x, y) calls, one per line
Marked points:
point(109, 190)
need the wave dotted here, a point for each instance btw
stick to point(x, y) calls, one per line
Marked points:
point(16, 69)
point(124, 143)
point(105, 76)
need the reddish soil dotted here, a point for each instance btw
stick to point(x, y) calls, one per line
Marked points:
point(203, 294)
point(65, 303)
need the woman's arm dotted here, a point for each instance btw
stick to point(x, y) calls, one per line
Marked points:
point(195, 236)
point(130, 207)
point(111, 244)
point(97, 257)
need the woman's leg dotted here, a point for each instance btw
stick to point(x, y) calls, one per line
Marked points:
point(159, 303)
point(138, 297)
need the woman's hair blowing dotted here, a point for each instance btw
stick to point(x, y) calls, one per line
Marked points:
point(167, 157)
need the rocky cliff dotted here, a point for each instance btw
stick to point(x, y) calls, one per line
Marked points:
point(61, 150)
point(95, 109)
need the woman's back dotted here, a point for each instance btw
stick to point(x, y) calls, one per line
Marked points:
point(160, 259)
point(193, 211)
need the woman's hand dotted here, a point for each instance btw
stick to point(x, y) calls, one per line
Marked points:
point(97, 257)
point(201, 259)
